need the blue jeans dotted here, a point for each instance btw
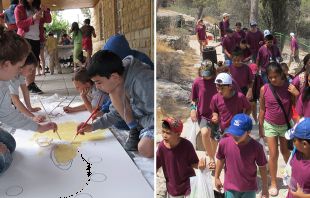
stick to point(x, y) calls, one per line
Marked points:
point(264, 77)
point(236, 194)
point(6, 157)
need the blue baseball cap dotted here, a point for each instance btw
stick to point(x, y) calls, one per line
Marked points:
point(301, 131)
point(239, 124)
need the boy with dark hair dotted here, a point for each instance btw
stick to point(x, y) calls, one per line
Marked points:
point(177, 157)
point(241, 155)
point(300, 163)
point(130, 85)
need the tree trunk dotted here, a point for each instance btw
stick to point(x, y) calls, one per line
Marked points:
point(1, 6)
point(199, 13)
point(254, 10)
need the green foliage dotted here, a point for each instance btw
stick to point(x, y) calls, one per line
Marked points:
point(86, 13)
point(58, 25)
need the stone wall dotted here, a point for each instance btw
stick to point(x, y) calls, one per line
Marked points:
point(133, 18)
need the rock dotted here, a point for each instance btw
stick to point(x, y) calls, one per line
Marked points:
point(166, 22)
point(169, 92)
point(175, 42)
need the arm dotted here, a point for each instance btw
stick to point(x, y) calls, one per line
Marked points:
point(218, 170)
point(261, 115)
point(201, 164)
point(47, 18)
point(94, 33)
point(263, 173)
point(299, 193)
point(25, 92)
point(21, 17)
point(20, 106)
point(75, 109)
point(87, 103)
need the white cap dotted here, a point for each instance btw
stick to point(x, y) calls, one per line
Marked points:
point(292, 34)
point(223, 79)
point(226, 14)
point(266, 32)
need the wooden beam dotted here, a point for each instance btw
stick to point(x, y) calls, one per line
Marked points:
point(1, 6)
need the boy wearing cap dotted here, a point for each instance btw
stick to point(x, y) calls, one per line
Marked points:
point(267, 53)
point(224, 25)
point(294, 49)
point(255, 39)
point(300, 163)
point(177, 157)
point(203, 89)
point(227, 102)
point(241, 155)
point(229, 44)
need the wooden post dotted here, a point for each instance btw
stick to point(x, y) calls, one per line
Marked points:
point(1, 6)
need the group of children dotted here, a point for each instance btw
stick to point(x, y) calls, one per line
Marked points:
point(222, 99)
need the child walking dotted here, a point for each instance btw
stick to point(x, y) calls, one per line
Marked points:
point(13, 53)
point(203, 90)
point(51, 46)
point(303, 102)
point(274, 120)
point(241, 155)
point(177, 157)
point(227, 102)
point(19, 81)
point(300, 162)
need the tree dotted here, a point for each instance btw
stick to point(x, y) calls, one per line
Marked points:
point(58, 25)
point(254, 10)
point(86, 13)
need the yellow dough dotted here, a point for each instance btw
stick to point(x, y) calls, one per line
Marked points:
point(64, 153)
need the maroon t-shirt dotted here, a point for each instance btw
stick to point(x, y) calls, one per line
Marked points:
point(253, 39)
point(229, 43)
point(177, 166)
point(241, 163)
point(202, 92)
point(243, 75)
point(273, 111)
point(303, 109)
point(228, 107)
point(300, 174)
point(246, 53)
point(264, 54)
point(224, 25)
point(239, 36)
point(201, 30)
point(87, 30)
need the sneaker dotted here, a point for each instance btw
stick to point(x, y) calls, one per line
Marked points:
point(33, 88)
point(133, 139)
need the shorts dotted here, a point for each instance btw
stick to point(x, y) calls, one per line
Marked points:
point(215, 133)
point(180, 196)
point(236, 194)
point(273, 130)
point(42, 45)
point(6, 157)
point(147, 133)
point(87, 43)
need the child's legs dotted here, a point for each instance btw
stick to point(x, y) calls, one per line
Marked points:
point(51, 62)
point(146, 143)
point(7, 139)
point(56, 61)
point(206, 138)
point(284, 149)
point(254, 110)
point(273, 159)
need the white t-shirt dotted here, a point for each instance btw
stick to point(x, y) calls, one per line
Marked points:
point(15, 84)
point(34, 31)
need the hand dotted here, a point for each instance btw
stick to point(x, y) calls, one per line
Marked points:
point(218, 184)
point(84, 92)
point(3, 148)
point(86, 128)
point(202, 163)
point(35, 109)
point(261, 42)
point(68, 109)
point(293, 90)
point(194, 115)
point(261, 131)
point(215, 119)
point(96, 115)
point(249, 94)
point(37, 16)
point(43, 7)
point(47, 126)
point(299, 192)
point(38, 118)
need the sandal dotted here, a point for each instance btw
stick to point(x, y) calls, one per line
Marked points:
point(273, 191)
point(211, 165)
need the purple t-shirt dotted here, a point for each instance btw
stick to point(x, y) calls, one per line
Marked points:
point(299, 81)
point(273, 111)
point(294, 44)
point(239, 36)
point(243, 75)
point(202, 92)
point(264, 54)
point(253, 39)
point(303, 109)
point(300, 173)
point(201, 30)
point(224, 25)
point(241, 163)
point(229, 43)
point(177, 166)
point(227, 108)
point(246, 53)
